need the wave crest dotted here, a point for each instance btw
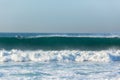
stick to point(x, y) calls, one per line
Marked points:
point(61, 56)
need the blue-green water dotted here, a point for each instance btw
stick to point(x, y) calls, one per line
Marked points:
point(59, 56)
point(60, 71)
point(40, 41)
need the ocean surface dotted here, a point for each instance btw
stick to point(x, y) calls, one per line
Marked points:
point(59, 56)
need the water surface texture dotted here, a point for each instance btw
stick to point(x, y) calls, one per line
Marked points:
point(60, 56)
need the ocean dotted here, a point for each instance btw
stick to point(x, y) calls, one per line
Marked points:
point(59, 56)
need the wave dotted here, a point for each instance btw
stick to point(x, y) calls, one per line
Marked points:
point(15, 55)
point(78, 35)
point(59, 43)
point(37, 35)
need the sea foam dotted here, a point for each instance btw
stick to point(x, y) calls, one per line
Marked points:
point(15, 55)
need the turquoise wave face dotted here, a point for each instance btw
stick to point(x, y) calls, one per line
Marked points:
point(59, 43)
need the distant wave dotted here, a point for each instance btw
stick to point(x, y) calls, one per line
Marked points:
point(67, 35)
point(37, 35)
point(15, 55)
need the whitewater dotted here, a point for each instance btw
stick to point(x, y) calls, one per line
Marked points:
point(59, 56)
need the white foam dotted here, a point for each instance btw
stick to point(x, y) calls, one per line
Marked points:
point(79, 35)
point(60, 71)
point(61, 56)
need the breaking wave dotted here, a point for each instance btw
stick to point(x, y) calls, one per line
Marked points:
point(15, 55)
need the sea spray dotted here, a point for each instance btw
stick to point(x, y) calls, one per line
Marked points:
point(61, 56)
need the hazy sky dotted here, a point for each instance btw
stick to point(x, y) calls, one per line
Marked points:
point(60, 16)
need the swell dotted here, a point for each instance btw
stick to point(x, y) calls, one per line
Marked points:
point(59, 43)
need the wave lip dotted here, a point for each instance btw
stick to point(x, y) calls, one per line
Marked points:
point(87, 36)
point(60, 56)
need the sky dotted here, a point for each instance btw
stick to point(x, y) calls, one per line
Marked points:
point(60, 16)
